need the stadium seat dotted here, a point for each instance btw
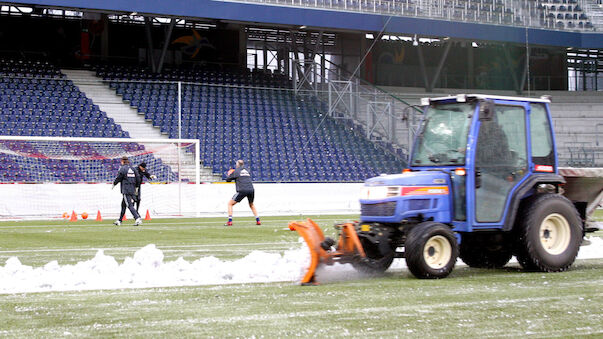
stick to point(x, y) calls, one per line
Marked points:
point(245, 120)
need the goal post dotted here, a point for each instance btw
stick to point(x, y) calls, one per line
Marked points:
point(51, 175)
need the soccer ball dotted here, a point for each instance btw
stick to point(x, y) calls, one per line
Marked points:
point(84, 215)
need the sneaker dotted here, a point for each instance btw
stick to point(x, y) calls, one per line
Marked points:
point(258, 222)
point(117, 223)
point(229, 223)
point(138, 222)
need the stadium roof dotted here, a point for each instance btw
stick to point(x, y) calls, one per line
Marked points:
point(327, 19)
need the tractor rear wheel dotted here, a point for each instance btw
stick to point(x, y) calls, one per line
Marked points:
point(431, 250)
point(549, 233)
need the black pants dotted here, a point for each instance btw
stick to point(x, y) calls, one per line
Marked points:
point(137, 198)
point(128, 200)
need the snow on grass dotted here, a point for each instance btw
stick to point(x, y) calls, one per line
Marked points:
point(147, 268)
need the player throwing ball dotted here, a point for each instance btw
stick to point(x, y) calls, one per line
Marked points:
point(244, 185)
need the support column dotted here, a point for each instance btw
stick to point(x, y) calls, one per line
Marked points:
point(105, 37)
point(242, 46)
point(524, 73)
point(436, 76)
point(166, 43)
point(470, 67)
point(150, 49)
point(323, 65)
point(511, 70)
point(423, 69)
point(265, 51)
point(287, 60)
point(366, 67)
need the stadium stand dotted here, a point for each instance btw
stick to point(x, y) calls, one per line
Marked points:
point(251, 115)
point(550, 14)
point(579, 128)
point(36, 100)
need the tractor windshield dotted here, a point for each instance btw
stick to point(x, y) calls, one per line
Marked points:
point(442, 139)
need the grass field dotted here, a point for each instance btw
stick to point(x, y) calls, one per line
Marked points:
point(470, 303)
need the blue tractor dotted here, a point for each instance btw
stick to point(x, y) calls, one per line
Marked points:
point(483, 184)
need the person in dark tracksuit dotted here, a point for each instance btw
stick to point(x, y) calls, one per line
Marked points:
point(142, 169)
point(129, 178)
point(244, 186)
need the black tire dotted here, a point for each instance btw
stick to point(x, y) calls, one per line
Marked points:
point(480, 252)
point(375, 262)
point(549, 233)
point(431, 250)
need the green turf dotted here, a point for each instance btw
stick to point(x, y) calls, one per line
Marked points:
point(470, 303)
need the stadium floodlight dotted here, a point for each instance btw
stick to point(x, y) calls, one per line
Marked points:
point(46, 169)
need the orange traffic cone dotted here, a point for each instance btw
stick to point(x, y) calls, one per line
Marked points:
point(73, 216)
point(148, 217)
point(124, 218)
point(98, 216)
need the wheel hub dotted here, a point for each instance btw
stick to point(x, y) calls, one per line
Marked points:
point(555, 234)
point(437, 252)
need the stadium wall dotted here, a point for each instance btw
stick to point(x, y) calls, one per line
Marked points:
point(50, 201)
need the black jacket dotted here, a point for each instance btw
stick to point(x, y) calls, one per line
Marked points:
point(145, 174)
point(129, 178)
point(242, 178)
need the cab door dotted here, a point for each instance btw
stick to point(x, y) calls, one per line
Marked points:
point(500, 162)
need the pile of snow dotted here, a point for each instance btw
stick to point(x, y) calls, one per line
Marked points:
point(147, 269)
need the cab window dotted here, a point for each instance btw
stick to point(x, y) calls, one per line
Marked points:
point(541, 136)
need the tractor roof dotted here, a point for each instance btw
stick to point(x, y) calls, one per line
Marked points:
point(466, 97)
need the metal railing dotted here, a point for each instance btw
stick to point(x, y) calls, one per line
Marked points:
point(522, 13)
point(387, 120)
point(584, 156)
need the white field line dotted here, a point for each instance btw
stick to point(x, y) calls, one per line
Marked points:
point(155, 224)
point(420, 310)
point(173, 247)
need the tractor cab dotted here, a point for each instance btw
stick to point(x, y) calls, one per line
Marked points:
point(474, 158)
point(493, 148)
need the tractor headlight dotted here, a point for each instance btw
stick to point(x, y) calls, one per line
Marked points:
point(379, 192)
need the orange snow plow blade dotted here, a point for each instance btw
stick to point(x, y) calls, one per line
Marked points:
point(348, 248)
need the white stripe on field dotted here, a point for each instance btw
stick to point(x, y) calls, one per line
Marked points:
point(138, 247)
point(264, 222)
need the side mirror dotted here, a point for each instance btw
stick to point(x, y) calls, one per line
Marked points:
point(486, 110)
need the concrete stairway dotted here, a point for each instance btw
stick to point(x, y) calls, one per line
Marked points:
point(133, 122)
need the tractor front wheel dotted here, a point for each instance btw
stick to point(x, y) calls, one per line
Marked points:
point(431, 250)
point(379, 252)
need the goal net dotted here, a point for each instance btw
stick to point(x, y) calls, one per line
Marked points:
point(53, 175)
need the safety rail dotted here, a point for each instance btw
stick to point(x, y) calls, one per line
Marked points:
point(385, 119)
point(522, 13)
